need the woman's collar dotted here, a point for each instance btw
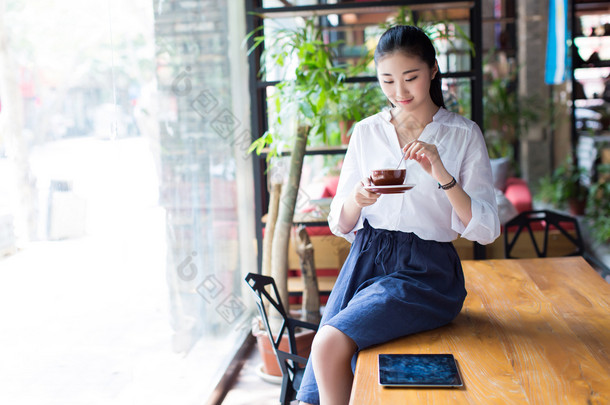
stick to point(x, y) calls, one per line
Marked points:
point(387, 115)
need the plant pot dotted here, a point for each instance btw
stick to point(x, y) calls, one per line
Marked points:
point(577, 207)
point(344, 128)
point(270, 364)
point(499, 170)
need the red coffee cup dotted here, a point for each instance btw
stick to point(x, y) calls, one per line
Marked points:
point(388, 177)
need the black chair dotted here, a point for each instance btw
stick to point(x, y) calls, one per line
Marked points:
point(291, 364)
point(546, 219)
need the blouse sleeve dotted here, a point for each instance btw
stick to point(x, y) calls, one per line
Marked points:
point(349, 177)
point(476, 179)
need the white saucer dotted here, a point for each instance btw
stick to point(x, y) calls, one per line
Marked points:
point(272, 379)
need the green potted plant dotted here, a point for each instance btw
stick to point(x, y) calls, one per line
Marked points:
point(563, 188)
point(506, 114)
point(298, 116)
point(598, 208)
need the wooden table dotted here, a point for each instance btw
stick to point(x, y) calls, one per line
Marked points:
point(532, 331)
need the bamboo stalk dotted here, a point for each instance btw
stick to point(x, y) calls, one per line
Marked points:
point(311, 293)
point(281, 235)
point(274, 202)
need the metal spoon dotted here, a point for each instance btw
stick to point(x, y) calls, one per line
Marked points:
point(405, 153)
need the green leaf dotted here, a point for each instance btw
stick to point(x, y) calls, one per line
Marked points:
point(321, 102)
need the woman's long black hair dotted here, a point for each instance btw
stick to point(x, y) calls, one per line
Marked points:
point(412, 41)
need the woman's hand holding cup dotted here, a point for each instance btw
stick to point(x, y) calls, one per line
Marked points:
point(363, 197)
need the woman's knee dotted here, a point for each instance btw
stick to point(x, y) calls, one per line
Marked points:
point(330, 342)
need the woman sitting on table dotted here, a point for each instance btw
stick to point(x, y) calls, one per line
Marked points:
point(402, 275)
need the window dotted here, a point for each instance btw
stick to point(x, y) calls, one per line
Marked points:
point(128, 191)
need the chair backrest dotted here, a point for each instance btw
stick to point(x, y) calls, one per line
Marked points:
point(542, 220)
point(265, 289)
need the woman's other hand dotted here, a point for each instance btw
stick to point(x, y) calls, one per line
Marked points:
point(427, 156)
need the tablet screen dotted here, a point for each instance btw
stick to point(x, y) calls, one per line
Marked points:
point(418, 370)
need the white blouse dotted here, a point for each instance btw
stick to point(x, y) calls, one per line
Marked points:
point(425, 209)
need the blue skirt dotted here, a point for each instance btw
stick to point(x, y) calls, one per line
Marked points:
point(391, 285)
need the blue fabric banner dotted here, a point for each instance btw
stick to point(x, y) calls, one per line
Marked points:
point(556, 46)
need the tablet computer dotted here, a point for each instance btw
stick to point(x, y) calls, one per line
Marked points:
point(418, 370)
